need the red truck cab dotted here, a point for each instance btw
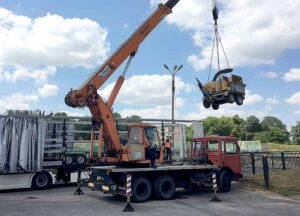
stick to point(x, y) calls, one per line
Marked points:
point(223, 151)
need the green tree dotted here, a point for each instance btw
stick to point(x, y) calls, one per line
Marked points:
point(278, 135)
point(222, 126)
point(252, 124)
point(276, 129)
point(238, 127)
point(263, 136)
point(116, 115)
point(269, 122)
point(295, 133)
point(60, 114)
point(189, 133)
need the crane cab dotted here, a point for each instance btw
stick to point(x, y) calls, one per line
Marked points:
point(143, 143)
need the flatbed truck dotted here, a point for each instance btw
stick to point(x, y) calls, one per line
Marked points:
point(208, 155)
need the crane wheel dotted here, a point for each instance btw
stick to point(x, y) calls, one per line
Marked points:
point(164, 187)
point(141, 189)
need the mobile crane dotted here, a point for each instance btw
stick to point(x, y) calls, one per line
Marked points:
point(132, 156)
point(141, 136)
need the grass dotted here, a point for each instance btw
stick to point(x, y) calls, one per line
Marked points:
point(280, 147)
point(284, 182)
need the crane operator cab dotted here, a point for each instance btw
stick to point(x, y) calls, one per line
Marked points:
point(143, 143)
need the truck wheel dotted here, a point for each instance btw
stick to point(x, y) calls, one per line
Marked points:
point(215, 106)
point(206, 103)
point(164, 187)
point(239, 100)
point(225, 182)
point(81, 159)
point(230, 98)
point(41, 180)
point(141, 189)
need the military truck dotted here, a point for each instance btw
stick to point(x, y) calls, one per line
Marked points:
point(223, 89)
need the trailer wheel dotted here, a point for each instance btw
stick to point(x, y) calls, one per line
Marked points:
point(225, 182)
point(141, 189)
point(206, 103)
point(215, 106)
point(41, 180)
point(239, 100)
point(164, 187)
point(81, 159)
point(231, 98)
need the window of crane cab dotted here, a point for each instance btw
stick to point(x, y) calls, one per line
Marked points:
point(212, 145)
point(231, 147)
point(151, 136)
point(136, 135)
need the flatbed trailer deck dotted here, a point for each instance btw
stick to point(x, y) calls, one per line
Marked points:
point(160, 181)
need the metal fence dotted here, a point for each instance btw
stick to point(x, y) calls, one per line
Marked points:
point(252, 162)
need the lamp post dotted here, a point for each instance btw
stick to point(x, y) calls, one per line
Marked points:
point(173, 73)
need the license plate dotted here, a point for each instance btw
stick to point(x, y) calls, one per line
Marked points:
point(90, 184)
point(106, 188)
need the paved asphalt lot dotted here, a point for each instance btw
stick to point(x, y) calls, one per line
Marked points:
point(61, 201)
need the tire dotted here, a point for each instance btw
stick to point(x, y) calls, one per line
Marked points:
point(41, 180)
point(206, 103)
point(215, 106)
point(225, 182)
point(230, 98)
point(69, 159)
point(165, 187)
point(81, 159)
point(141, 189)
point(239, 100)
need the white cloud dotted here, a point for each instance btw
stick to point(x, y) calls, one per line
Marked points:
point(269, 75)
point(294, 99)
point(252, 98)
point(17, 101)
point(40, 76)
point(297, 112)
point(251, 32)
point(148, 90)
point(50, 40)
point(273, 100)
point(292, 75)
point(48, 90)
point(154, 112)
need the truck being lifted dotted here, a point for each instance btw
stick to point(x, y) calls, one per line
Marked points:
point(208, 154)
point(222, 89)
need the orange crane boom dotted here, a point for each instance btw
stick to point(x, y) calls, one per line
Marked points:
point(86, 94)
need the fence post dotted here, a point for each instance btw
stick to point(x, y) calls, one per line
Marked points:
point(252, 163)
point(283, 160)
point(266, 172)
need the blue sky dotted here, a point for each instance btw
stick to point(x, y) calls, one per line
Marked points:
point(48, 47)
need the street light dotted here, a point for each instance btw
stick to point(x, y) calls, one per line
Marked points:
point(173, 73)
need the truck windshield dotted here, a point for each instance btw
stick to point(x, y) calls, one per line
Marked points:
point(212, 145)
point(230, 147)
